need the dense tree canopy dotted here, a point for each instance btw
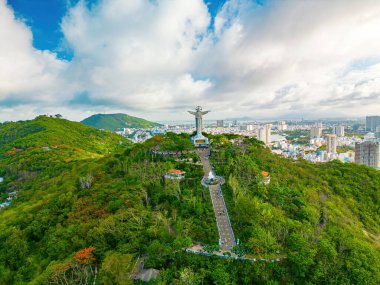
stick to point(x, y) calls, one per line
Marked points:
point(89, 215)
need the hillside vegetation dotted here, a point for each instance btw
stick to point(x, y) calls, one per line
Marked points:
point(114, 122)
point(46, 131)
point(92, 216)
point(324, 217)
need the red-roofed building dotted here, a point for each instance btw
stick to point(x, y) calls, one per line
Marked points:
point(175, 174)
point(266, 177)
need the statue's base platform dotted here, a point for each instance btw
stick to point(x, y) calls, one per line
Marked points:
point(200, 141)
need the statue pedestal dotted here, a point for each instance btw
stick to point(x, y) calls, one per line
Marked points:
point(199, 141)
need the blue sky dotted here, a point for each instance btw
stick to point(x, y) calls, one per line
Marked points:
point(44, 18)
point(157, 58)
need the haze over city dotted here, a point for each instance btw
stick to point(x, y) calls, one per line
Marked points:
point(157, 59)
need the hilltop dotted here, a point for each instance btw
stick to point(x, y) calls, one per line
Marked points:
point(47, 131)
point(45, 143)
point(105, 211)
point(114, 122)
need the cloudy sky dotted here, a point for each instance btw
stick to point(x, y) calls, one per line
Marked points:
point(159, 58)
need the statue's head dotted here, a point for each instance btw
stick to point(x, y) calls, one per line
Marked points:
point(198, 108)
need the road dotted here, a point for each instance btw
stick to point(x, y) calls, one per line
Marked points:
point(226, 234)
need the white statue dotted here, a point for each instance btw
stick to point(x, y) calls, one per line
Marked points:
point(199, 140)
point(211, 176)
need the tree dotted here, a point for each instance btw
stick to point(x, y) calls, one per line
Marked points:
point(300, 255)
point(79, 270)
point(116, 269)
point(220, 276)
point(188, 277)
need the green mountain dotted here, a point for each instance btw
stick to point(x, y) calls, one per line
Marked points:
point(30, 147)
point(114, 122)
point(93, 218)
point(47, 131)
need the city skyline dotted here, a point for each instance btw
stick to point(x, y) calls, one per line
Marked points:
point(156, 59)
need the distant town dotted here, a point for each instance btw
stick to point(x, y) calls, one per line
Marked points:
point(313, 140)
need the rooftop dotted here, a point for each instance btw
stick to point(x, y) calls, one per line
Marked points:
point(176, 171)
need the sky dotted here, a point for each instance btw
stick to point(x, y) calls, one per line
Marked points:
point(159, 58)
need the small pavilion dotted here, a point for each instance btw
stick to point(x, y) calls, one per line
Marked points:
point(175, 174)
point(266, 177)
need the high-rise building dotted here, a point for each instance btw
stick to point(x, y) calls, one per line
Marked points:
point(282, 126)
point(331, 143)
point(368, 153)
point(371, 123)
point(339, 131)
point(315, 132)
point(250, 127)
point(268, 133)
point(264, 134)
point(247, 127)
point(220, 123)
point(261, 135)
point(377, 134)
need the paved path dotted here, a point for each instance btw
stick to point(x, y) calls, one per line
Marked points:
point(226, 234)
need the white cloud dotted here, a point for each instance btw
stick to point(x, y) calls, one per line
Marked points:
point(138, 53)
point(305, 44)
point(285, 58)
point(26, 74)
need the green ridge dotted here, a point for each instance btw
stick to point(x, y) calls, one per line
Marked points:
point(114, 122)
point(47, 131)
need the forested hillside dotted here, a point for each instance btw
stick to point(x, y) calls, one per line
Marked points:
point(73, 215)
point(93, 212)
point(114, 122)
point(53, 132)
point(324, 218)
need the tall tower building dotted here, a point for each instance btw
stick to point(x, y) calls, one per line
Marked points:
point(261, 135)
point(368, 153)
point(339, 131)
point(371, 123)
point(377, 134)
point(264, 134)
point(268, 134)
point(315, 132)
point(331, 143)
point(220, 123)
point(282, 126)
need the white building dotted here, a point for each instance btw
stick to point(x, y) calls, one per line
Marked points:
point(220, 123)
point(261, 135)
point(339, 131)
point(264, 134)
point(250, 127)
point(175, 174)
point(331, 143)
point(268, 133)
point(369, 137)
point(315, 132)
point(282, 126)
